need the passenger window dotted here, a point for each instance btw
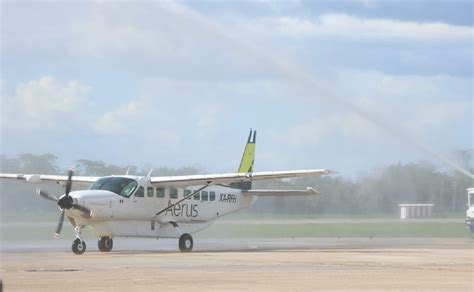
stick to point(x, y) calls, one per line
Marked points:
point(173, 193)
point(204, 195)
point(150, 191)
point(187, 193)
point(160, 192)
point(140, 193)
point(197, 196)
point(212, 196)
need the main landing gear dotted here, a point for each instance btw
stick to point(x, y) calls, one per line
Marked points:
point(186, 243)
point(105, 243)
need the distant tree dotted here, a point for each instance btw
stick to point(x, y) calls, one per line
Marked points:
point(98, 168)
point(44, 163)
point(9, 164)
point(18, 196)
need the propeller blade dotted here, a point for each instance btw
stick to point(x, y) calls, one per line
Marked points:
point(69, 181)
point(85, 210)
point(45, 195)
point(60, 225)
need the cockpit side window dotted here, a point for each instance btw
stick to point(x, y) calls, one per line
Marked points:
point(128, 189)
point(471, 199)
point(140, 193)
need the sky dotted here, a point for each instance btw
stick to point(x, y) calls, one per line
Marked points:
point(346, 85)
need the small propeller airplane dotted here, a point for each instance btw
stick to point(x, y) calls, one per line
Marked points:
point(159, 207)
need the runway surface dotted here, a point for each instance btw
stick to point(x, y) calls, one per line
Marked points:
point(390, 264)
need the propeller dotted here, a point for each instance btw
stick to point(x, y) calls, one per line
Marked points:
point(45, 195)
point(60, 224)
point(64, 202)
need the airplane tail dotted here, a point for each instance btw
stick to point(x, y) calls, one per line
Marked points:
point(247, 161)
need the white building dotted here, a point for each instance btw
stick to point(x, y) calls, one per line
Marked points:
point(415, 210)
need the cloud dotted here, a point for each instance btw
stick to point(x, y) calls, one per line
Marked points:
point(161, 34)
point(415, 105)
point(420, 105)
point(400, 88)
point(354, 27)
point(44, 103)
point(199, 107)
point(317, 131)
point(366, 3)
point(118, 121)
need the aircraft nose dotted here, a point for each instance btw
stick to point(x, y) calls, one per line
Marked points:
point(77, 197)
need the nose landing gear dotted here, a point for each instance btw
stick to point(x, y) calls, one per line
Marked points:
point(78, 245)
point(105, 243)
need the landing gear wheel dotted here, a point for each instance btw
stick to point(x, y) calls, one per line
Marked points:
point(186, 243)
point(78, 246)
point(105, 243)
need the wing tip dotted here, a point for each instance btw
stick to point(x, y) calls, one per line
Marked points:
point(330, 171)
point(312, 191)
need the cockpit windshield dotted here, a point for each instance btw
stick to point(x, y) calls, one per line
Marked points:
point(120, 185)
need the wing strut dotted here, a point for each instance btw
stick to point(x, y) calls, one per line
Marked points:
point(185, 198)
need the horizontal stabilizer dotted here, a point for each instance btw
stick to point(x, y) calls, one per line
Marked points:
point(281, 193)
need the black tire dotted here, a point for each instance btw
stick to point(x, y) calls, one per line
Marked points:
point(78, 246)
point(105, 243)
point(186, 243)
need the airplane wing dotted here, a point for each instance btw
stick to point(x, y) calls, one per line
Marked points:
point(179, 180)
point(39, 178)
point(227, 178)
point(281, 193)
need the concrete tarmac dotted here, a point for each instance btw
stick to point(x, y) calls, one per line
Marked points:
point(303, 264)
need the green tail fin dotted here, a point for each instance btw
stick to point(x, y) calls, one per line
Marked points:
point(248, 159)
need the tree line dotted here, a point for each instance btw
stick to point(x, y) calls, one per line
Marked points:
point(378, 192)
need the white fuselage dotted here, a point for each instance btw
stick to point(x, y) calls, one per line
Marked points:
point(135, 216)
